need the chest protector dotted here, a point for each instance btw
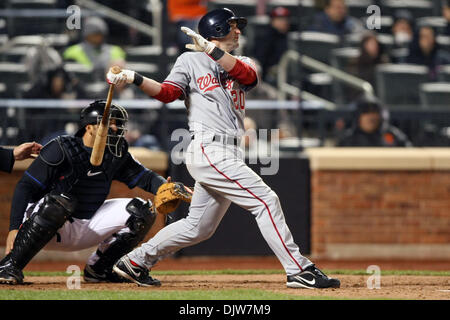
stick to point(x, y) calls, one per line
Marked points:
point(79, 166)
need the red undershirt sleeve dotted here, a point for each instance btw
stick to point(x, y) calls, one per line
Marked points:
point(168, 93)
point(243, 73)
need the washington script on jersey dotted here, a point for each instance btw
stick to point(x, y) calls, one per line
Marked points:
point(209, 82)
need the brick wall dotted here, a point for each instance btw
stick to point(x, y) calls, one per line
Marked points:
point(366, 213)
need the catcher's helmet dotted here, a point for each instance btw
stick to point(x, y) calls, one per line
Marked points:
point(215, 24)
point(92, 114)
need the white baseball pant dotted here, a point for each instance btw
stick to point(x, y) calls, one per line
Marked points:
point(222, 177)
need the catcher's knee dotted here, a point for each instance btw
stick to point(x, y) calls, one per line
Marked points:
point(55, 210)
point(142, 217)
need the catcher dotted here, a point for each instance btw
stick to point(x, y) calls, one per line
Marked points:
point(59, 203)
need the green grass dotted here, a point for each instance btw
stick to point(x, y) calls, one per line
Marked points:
point(263, 271)
point(151, 294)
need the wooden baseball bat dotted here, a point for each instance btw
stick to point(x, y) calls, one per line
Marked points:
point(102, 131)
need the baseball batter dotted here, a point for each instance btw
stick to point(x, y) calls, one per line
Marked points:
point(213, 83)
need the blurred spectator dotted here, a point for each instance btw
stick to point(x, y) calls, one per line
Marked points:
point(371, 54)
point(402, 28)
point(425, 50)
point(93, 51)
point(136, 138)
point(335, 19)
point(371, 128)
point(55, 84)
point(273, 43)
point(185, 13)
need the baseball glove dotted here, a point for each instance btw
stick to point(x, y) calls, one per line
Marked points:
point(169, 196)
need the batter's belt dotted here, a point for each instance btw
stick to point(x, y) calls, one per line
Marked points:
point(235, 141)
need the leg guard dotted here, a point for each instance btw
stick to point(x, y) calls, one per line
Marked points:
point(140, 221)
point(40, 228)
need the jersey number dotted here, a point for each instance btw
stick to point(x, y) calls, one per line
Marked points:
point(238, 98)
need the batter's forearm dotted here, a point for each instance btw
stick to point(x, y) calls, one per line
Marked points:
point(227, 62)
point(150, 87)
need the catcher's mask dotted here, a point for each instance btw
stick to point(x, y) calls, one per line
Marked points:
point(117, 116)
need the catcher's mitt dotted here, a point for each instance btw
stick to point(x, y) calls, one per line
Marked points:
point(169, 196)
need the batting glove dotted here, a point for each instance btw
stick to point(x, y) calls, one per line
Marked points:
point(200, 43)
point(125, 76)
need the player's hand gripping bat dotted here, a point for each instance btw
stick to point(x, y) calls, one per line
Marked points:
point(102, 130)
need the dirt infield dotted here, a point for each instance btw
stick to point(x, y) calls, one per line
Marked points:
point(263, 262)
point(353, 287)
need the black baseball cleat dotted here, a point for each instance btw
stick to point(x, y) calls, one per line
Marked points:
point(131, 271)
point(93, 276)
point(9, 274)
point(312, 278)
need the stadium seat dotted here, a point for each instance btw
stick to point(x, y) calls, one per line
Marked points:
point(354, 40)
point(15, 54)
point(358, 8)
point(438, 23)
point(435, 95)
point(149, 70)
point(398, 84)
point(15, 73)
point(418, 8)
point(147, 54)
point(33, 4)
point(316, 45)
point(80, 71)
point(444, 42)
point(96, 90)
point(3, 39)
point(444, 73)
point(43, 20)
point(242, 8)
point(341, 58)
point(3, 25)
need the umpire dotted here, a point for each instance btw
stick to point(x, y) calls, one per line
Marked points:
point(60, 202)
point(22, 152)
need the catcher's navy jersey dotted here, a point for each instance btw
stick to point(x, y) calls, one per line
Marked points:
point(63, 165)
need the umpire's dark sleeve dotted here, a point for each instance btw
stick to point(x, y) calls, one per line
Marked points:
point(6, 159)
point(35, 182)
point(134, 174)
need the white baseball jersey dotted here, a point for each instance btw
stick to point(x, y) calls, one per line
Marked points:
point(217, 106)
point(216, 102)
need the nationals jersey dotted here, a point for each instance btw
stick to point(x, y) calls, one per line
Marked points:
point(215, 101)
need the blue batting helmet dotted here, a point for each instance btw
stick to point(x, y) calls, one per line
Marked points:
point(216, 23)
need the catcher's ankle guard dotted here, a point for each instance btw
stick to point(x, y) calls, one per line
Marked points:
point(140, 221)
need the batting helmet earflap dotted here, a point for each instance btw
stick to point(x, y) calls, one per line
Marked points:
point(215, 24)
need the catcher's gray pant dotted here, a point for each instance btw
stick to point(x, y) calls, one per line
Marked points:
point(223, 177)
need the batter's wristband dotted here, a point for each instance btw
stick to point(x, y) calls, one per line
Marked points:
point(217, 53)
point(138, 79)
